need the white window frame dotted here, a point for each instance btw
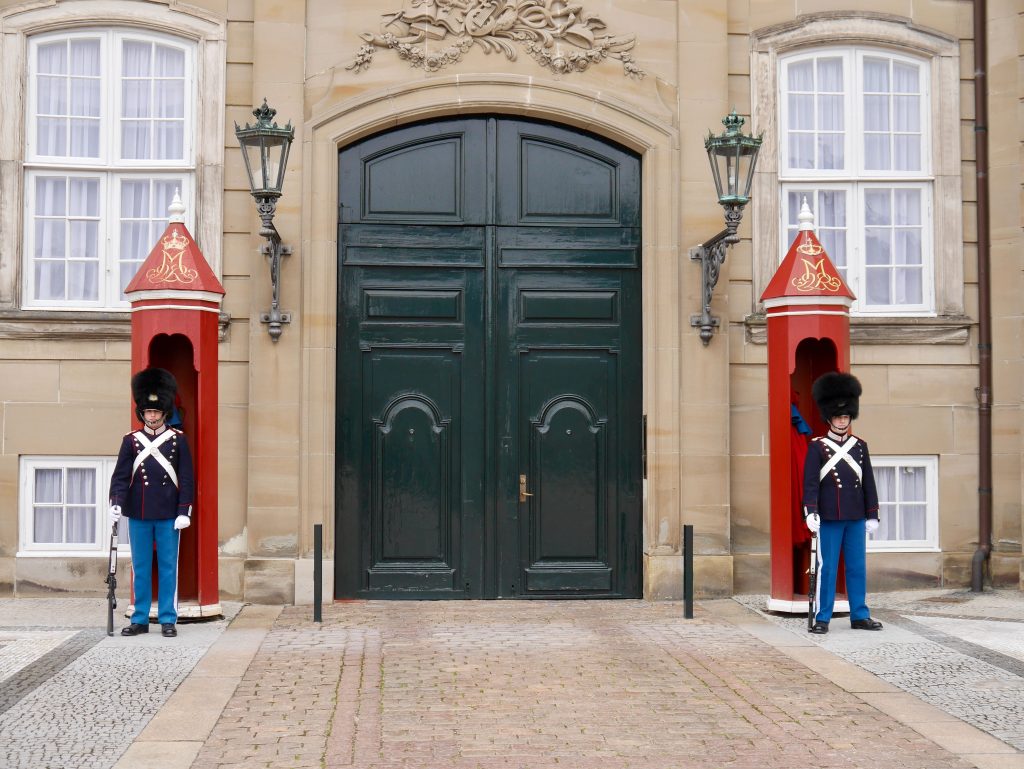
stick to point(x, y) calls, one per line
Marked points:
point(109, 168)
point(104, 467)
point(205, 30)
point(853, 178)
point(930, 544)
point(892, 35)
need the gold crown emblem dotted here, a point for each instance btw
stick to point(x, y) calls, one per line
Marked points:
point(175, 241)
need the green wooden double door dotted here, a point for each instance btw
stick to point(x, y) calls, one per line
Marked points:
point(489, 364)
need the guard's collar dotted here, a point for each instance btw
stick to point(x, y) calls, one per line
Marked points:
point(149, 431)
point(837, 437)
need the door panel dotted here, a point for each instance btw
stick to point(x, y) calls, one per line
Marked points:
point(565, 523)
point(573, 414)
point(410, 373)
point(488, 333)
point(552, 175)
point(414, 461)
point(431, 173)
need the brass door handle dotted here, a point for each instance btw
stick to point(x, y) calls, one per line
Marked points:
point(523, 493)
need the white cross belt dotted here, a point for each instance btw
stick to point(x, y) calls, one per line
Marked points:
point(149, 449)
point(841, 453)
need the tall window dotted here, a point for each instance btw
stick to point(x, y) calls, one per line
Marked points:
point(64, 504)
point(108, 141)
point(908, 511)
point(854, 142)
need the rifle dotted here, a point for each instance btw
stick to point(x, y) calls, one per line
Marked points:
point(112, 580)
point(812, 581)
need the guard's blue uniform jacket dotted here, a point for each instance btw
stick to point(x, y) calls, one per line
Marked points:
point(840, 495)
point(153, 488)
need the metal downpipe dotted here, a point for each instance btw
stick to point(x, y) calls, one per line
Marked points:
point(984, 394)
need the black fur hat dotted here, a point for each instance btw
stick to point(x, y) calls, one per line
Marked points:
point(154, 388)
point(837, 394)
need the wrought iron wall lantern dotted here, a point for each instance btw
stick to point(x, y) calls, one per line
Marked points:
point(265, 148)
point(733, 156)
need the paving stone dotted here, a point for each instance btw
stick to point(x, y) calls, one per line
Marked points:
point(545, 685)
point(958, 651)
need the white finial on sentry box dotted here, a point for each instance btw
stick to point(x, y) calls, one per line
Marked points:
point(176, 210)
point(805, 217)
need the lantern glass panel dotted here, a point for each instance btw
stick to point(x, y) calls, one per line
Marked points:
point(265, 161)
point(253, 167)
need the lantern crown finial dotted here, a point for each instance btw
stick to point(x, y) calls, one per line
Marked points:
point(733, 123)
point(264, 113)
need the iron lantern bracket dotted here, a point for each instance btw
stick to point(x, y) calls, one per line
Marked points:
point(711, 255)
point(274, 250)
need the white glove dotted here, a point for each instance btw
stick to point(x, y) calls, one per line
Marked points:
point(871, 525)
point(182, 522)
point(813, 522)
point(115, 514)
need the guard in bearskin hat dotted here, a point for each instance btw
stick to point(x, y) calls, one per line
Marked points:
point(840, 500)
point(152, 486)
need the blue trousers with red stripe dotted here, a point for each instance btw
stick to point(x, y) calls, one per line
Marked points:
point(848, 538)
point(143, 535)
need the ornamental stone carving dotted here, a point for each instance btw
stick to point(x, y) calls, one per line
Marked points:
point(560, 35)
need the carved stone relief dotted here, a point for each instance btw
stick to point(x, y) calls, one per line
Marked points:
point(560, 35)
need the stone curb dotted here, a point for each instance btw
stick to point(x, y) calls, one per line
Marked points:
point(948, 732)
point(172, 739)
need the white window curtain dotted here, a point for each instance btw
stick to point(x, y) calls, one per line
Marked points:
point(892, 115)
point(64, 506)
point(816, 114)
point(119, 102)
point(68, 82)
point(48, 506)
point(893, 256)
point(152, 102)
point(66, 237)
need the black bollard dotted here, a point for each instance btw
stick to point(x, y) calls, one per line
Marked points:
point(688, 571)
point(318, 572)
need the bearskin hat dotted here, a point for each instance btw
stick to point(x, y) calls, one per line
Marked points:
point(154, 388)
point(837, 394)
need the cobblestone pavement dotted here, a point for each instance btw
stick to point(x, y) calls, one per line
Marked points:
point(584, 685)
point(72, 697)
point(959, 651)
point(544, 685)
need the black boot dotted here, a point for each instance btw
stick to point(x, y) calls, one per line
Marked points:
point(168, 630)
point(865, 624)
point(819, 628)
point(135, 629)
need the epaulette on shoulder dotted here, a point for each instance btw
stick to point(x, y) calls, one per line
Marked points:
point(816, 438)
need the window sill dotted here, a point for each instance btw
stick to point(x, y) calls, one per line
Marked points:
point(122, 552)
point(78, 324)
point(944, 329)
point(61, 324)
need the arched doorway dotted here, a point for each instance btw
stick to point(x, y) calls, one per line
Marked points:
point(489, 363)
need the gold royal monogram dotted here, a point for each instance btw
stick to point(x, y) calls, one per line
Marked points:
point(171, 269)
point(815, 278)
